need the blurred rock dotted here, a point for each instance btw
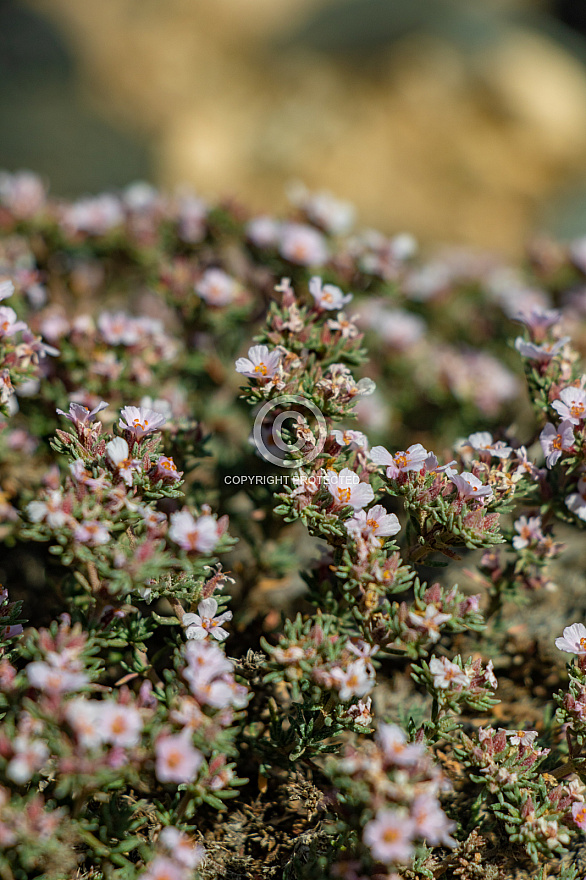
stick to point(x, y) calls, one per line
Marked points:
point(454, 145)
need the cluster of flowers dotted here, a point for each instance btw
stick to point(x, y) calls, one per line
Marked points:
point(127, 727)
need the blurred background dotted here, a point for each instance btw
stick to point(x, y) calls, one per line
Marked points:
point(462, 121)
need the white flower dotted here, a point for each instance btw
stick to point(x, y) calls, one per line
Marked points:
point(353, 439)
point(482, 442)
point(469, 486)
point(445, 673)
point(191, 534)
point(49, 511)
point(389, 836)
point(327, 296)
point(118, 454)
point(429, 620)
point(522, 737)
point(355, 681)
point(376, 522)
point(260, 363)
point(576, 501)
point(553, 440)
point(216, 287)
point(345, 488)
point(85, 717)
point(572, 405)
point(543, 352)
point(573, 640)
point(303, 245)
point(205, 623)
point(396, 750)
point(139, 421)
point(412, 460)
point(6, 289)
point(92, 532)
point(120, 725)
point(529, 532)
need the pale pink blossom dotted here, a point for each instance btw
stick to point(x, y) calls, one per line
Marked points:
point(23, 193)
point(529, 532)
point(539, 321)
point(55, 677)
point(166, 469)
point(469, 486)
point(431, 823)
point(29, 756)
point(205, 623)
point(446, 674)
point(260, 363)
point(522, 737)
point(322, 208)
point(351, 439)
point(346, 488)
point(217, 288)
point(94, 215)
point(542, 353)
point(579, 814)
point(92, 532)
point(176, 758)
point(288, 655)
point(555, 440)
point(139, 421)
point(327, 296)
point(121, 725)
point(9, 325)
point(263, 231)
point(194, 535)
point(412, 460)
point(360, 713)
point(181, 847)
point(119, 328)
point(375, 522)
point(482, 441)
point(85, 718)
point(303, 245)
point(389, 836)
point(49, 511)
point(6, 289)
point(81, 415)
point(395, 748)
point(163, 868)
point(356, 680)
point(573, 640)
point(572, 405)
point(430, 621)
point(118, 454)
point(576, 501)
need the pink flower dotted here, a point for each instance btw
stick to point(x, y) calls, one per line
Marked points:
point(8, 322)
point(543, 353)
point(389, 836)
point(177, 760)
point(139, 421)
point(260, 363)
point(49, 511)
point(81, 415)
point(573, 640)
point(194, 535)
point(55, 677)
point(303, 245)
point(118, 454)
point(539, 321)
point(85, 718)
point(263, 231)
point(412, 460)
point(121, 725)
point(482, 442)
point(119, 328)
point(430, 621)
point(469, 486)
point(376, 522)
point(352, 439)
point(92, 533)
point(29, 756)
point(6, 289)
point(165, 469)
point(182, 847)
point(346, 489)
point(355, 681)
point(529, 532)
point(576, 501)
point(579, 814)
point(395, 748)
point(216, 287)
point(572, 404)
point(163, 868)
point(446, 674)
point(521, 737)
point(327, 296)
point(553, 440)
point(431, 823)
point(205, 623)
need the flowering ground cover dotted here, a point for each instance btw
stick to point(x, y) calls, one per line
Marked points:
point(292, 547)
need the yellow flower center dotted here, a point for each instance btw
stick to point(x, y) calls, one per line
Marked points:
point(577, 410)
point(261, 368)
point(401, 459)
point(557, 443)
point(344, 494)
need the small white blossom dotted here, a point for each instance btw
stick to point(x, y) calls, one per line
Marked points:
point(205, 623)
point(260, 363)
